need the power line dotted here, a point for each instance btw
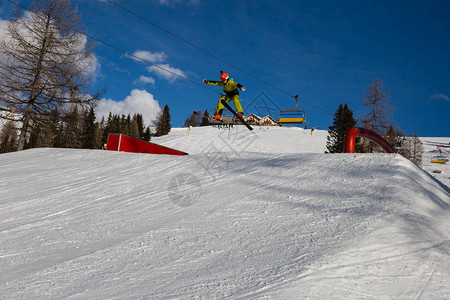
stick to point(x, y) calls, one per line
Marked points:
point(197, 47)
point(171, 72)
point(132, 55)
point(149, 62)
point(214, 56)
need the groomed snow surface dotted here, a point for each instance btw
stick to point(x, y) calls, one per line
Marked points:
point(262, 215)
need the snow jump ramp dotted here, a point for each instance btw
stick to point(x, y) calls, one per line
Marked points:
point(123, 143)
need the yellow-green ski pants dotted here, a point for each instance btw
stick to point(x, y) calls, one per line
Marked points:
point(227, 99)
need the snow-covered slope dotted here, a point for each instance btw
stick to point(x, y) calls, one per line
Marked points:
point(239, 139)
point(233, 220)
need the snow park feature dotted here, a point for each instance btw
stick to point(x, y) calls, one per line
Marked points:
point(240, 217)
point(353, 133)
point(123, 143)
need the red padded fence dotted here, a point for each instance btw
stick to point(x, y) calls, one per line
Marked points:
point(353, 133)
point(123, 143)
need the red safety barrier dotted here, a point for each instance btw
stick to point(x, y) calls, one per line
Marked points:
point(123, 143)
point(353, 133)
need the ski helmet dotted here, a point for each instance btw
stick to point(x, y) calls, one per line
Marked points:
point(224, 76)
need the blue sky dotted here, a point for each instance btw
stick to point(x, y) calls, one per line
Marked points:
point(328, 52)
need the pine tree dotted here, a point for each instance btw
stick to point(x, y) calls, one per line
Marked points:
point(8, 137)
point(123, 125)
point(89, 130)
point(205, 119)
point(163, 123)
point(55, 129)
point(35, 139)
point(343, 120)
point(107, 129)
point(134, 128)
point(99, 134)
point(147, 135)
point(128, 126)
point(140, 125)
point(391, 135)
point(73, 128)
point(13, 140)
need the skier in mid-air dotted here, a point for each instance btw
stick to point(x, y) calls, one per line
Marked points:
point(231, 93)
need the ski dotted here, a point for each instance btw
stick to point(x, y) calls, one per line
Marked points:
point(236, 115)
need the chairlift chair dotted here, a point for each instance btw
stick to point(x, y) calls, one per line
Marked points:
point(441, 158)
point(292, 115)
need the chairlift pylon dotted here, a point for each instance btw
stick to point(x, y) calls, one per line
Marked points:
point(292, 115)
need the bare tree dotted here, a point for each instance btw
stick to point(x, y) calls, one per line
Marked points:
point(377, 119)
point(415, 150)
point(45, 63)
point(411, 147)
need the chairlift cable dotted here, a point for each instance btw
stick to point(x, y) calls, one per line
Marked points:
point(171, 72)
point(198, 47)
point(131, 55)
point(215, 56)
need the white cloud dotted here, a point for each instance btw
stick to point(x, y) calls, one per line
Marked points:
point(153, 57)
point(139, 101)
point(145, 80)
point(90, 64)
point(162, 69)
point(440, 97)
point(161, 72)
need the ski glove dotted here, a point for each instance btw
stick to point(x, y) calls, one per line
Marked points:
point(205, 81)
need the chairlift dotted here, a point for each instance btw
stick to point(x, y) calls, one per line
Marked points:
point(441, 158)
point(292, 115)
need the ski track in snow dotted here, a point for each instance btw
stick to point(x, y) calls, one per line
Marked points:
point(261, 221)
